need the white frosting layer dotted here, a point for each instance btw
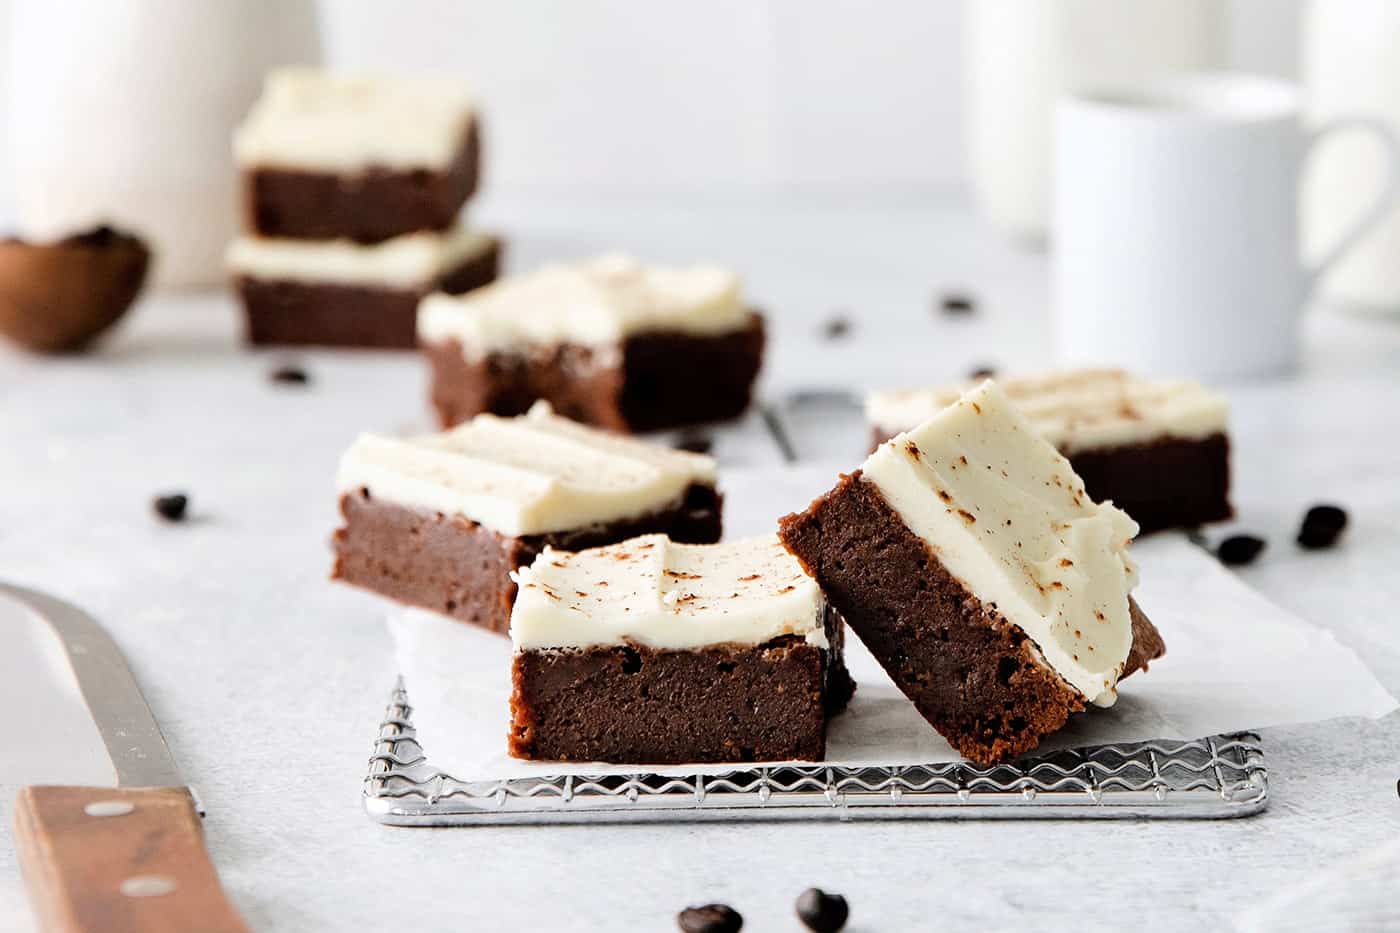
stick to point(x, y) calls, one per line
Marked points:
point(527, 475)
point(594, 303)
point(416, 260)
point(1006, 515)
point(651, 591)
point(316, 121)
point(1076, 410)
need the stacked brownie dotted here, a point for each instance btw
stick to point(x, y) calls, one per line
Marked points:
point(610, 342)
point(443, 521)
point(352, 190)
point(653, 652)
point(969, 558)
point(1159, 450)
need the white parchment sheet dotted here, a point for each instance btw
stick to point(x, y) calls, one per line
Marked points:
point(1234, 661)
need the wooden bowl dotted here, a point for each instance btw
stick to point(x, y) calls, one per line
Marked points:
point(56, 297)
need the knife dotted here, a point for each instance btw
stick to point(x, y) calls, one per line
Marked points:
point(113, 859)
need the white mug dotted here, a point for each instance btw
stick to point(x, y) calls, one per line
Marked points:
point(1176, 225)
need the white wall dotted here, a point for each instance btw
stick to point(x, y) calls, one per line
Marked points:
point(748, 94)
point(722, 96)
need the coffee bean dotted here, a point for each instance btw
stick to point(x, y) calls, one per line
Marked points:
point(695, 443)
point(1238, 550)
point(1321, 526)
point(171, 507)
point(957, 303)
point(983, 372)
point(290, 374)
point(712, 918)
point(836, 327)
point(822, 912)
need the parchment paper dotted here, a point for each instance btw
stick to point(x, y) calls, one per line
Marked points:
point(1234, 661)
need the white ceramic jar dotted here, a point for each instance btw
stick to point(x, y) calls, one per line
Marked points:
point(124, 111)
point(1023, 55)
point(1351, 65)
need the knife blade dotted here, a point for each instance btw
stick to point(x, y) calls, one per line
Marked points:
point(116, 859)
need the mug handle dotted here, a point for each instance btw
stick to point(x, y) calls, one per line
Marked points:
point(1379, 209)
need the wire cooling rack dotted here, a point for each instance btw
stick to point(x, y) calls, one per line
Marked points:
point(1219, 777)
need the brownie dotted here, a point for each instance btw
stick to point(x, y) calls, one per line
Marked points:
point(627, 700)
point(1156, 449)
point(322, 313)
point(652, 382)
point(460, 568)
point(968, 558)
point(973, 675)
point(1165, 483)
point(370, 205)
point(739, 703)
point(363, 158)
point(442, 521)
point(608, 341)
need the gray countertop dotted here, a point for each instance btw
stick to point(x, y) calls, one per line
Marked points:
point(269, 681)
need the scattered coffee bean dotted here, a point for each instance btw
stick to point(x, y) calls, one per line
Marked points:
point(1238, 550)
point(983, 372)
point(836, 327)
point(695, 443)
point(290, 374)
point(712, 918)
point(1321, 526)
point(822, 912)
point(171, 507)
point(957, 303)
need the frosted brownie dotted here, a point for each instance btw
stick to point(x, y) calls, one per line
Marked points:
point(969, 559)
point(609, 341)
point(347, 294)
point(651, 652)
point(327, 156)
point(1160, 450)
point(442, 521)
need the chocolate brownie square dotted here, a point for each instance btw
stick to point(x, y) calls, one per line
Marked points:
point(339, 293)
point(608, 342)
point(443, 521)
point(1159, 450)
point(352, 157)
point(969, 559)
point(652, 652)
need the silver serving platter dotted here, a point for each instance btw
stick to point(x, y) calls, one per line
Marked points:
point(1219, 777)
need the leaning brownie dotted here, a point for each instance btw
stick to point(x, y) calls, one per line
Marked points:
point(328, 156)
point(338, 293)
point(1158, 449)
point(968, 558)
point(651, 652)
point(609, 342)
point(442, 521)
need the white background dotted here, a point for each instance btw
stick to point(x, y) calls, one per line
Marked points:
point(743, 96)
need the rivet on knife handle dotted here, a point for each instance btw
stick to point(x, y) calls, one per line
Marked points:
point(119, 860)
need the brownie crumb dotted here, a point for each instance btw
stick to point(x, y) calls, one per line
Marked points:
point(1238, 550)
point(836, 327)
point(822, 912)
point(172, 507)
point(695, 443)
point(711, 918)
point(957, 303)
point(1322, 525)
point(290, 374)
point(983, 372)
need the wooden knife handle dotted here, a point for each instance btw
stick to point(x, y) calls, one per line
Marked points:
point(119, 860)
